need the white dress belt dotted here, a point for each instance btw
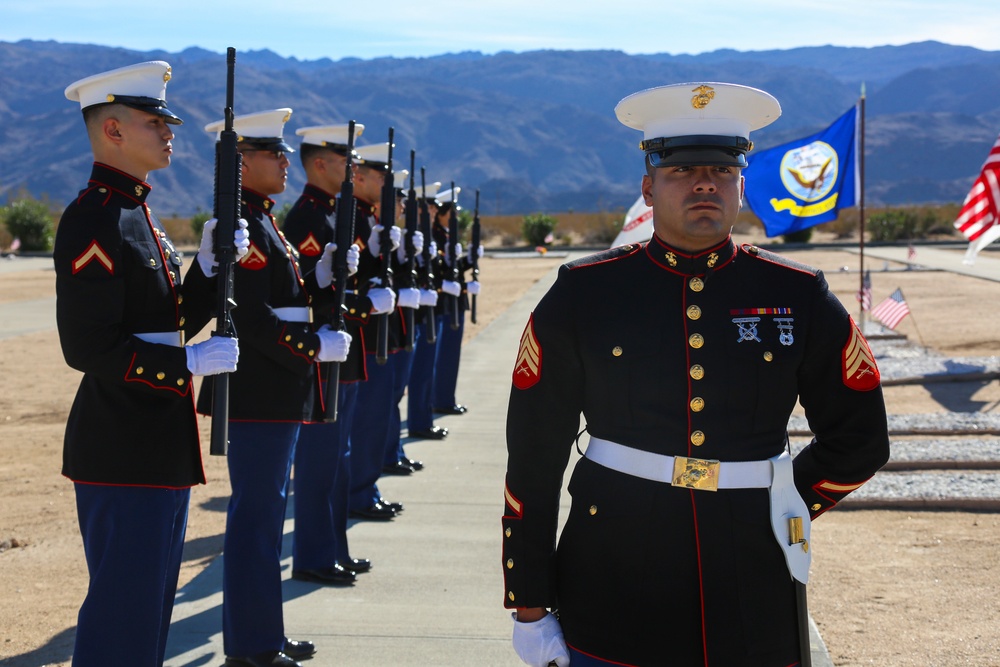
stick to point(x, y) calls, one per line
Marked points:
point(173, 338)
point(293, 314)
point(660, 467)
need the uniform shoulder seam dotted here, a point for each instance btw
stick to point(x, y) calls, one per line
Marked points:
point(778, 259)
point(605, 256)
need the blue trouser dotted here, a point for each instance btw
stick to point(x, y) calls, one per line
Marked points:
point(402, 361)
point(133, 538)
point(449, 349)
point(260, 460)
point(580, 659)
point(419, 411)
point(369, 432)
point(322, 484)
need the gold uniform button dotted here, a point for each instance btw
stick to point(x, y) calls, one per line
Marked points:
point(102, 190)
point(617, 351)
point(698, 438)
point(697, 341)
point(696, 284)
point(817, 507)
point(510, 563)
point(352, 311)
point(181, 322)
point(288, 339)
point(768, 356)
point(160, 376)
point(173, 276)
point(300, 346)
point(364, 315)
point(510, 595)
point(180, 382)
point(312, 352)
point(693, 312)
point(152, 262)
point(507, 532)
point(180, 299)
point(140, 370)
point(697, 372)
point(593, 510)
point(697, 404)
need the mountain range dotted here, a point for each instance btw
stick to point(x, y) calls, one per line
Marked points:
point(533, 131)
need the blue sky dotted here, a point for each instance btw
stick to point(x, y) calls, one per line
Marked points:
point(311, 29)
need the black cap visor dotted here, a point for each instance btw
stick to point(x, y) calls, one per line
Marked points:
point(151, 105)
point(266, 144)
point(697, 151)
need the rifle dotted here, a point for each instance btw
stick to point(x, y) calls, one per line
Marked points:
point(430, 327)
point(474, 251)
point(411, 254)
point(456, 273)
point(387, 218)
point(226, 209)
point(343, 236)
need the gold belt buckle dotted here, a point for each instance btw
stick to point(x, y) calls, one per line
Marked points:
point(700, 474)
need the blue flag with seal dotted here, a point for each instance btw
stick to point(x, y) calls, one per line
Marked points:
point(802, 183)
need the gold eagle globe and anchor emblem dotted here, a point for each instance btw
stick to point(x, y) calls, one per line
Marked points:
point(704, 95)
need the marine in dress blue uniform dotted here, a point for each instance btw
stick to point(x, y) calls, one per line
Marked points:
point(685, 356)
point(320, 550)
point(274, 392)
point(122, 314)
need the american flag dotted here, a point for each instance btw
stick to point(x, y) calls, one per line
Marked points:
point(865, 293)
point(911, 253)
point(892, 311)
point(979, 215)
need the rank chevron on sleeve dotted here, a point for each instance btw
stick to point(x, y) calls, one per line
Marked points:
point(528, 369)
point(93, 251)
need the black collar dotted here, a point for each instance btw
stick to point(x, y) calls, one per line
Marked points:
point(320, 196)
point(686, 264)
point(131, 187)
point(252, 199)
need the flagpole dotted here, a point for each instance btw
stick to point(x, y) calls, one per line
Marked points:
point(861, 200)
point(919, 335)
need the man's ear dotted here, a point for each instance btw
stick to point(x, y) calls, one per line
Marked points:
point(111, 128)
point(647, 189)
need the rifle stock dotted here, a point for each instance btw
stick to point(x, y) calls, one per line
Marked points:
point(343, 236)
point(387, 218)
point(409, 314)
point(474, 253)
point(227, 212)
point(430, 324)
point(456, 274)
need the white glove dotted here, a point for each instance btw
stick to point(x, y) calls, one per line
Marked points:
point(374, 242)
point(479, 252)
point(218, 354)
point(333, 345)
point(409, 298)
point(353, 257)
point(383, 300)
point(451, 287)
point(541, 642)
point(324, 267)
point(433, 249)
point(395, 235)
point(206, 251)
point(428, 297)
point(472, 287)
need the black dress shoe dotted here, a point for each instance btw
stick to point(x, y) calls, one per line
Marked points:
point(452, 410)
point(395, 507)
point(267, 659)
point(296, 650)
point(335, 575)
point(398, 468)
point(416, 465)
point(377, 512)
point(432, 433)
point(359, 565)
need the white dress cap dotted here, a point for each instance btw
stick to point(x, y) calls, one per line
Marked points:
point(431, 189)
point(142, 86)
point(262, 130)
point(373, 155)
point(332, 136)
point(444, 198)
point(715, 118)
point(401, 179)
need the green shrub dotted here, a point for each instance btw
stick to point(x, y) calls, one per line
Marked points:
point(198, 222)
point(894, 225)
point(30, 221)
point(801, 236)
point(537, 229)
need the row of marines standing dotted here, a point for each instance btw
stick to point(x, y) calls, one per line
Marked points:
point(124, 314)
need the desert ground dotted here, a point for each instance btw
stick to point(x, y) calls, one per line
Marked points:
point(889, 588)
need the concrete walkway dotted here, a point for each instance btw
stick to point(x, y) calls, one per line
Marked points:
point(435, 595)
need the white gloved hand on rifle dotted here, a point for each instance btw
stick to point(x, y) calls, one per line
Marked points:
point(408, 298)
point(206, 250)
point(451, 287)
point(540, 642)
point(333, 345)
point(383, 300)
point(218, 354)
